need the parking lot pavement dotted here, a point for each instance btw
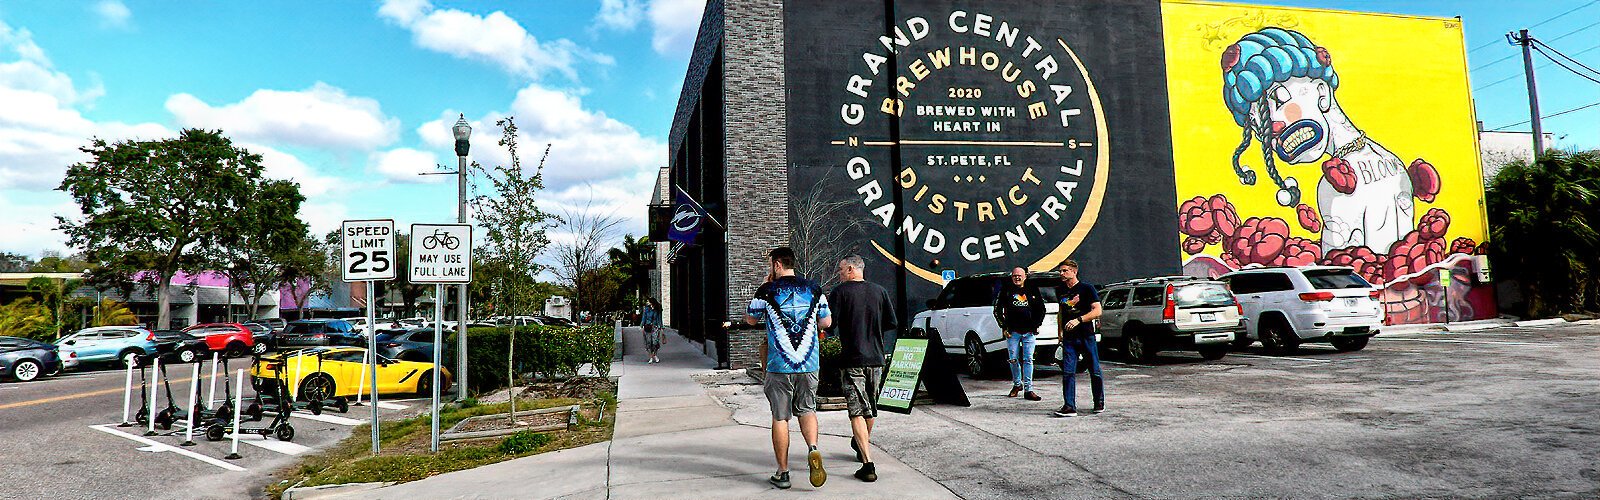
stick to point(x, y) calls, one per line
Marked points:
point(1509, 412)
point(59, 438)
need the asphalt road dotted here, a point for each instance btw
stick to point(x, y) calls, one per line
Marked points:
point(1500, 413)
point(54, 442)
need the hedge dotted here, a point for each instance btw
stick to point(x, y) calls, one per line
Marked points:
point(543, 352)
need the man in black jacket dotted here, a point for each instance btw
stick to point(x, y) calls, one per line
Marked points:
point(1020, 310)
point(862, 312)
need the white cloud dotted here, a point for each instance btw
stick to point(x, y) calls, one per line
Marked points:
point(322, 116)
point(31, 227)
point(676, 23)
point(112, 13)
point(496, 38)
point(33, 71)
point(621, 15)
point(403, 165)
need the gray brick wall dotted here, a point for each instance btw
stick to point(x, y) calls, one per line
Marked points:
point(744, 348)
point(757, 154)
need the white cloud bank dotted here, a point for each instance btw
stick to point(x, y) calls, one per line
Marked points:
point(322, 116)
point(495, 38)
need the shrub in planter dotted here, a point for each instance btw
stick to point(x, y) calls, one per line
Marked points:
point(545, 352)
point(524, 442)
point(829, 375)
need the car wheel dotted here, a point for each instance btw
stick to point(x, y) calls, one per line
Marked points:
point(129, 357)
point(285, 432)
point(977, 359)
point(425, 383)
point(236, 349)
point(1213, 353)
point(26, 370)
point(1278, 339)
point(187, 355)
point(1348, 344)
point(259, 348)
point(1140, 347)
point(317, 387)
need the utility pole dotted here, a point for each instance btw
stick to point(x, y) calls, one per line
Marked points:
point(1526, 41)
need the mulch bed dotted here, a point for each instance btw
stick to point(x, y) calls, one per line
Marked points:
point(523, 420)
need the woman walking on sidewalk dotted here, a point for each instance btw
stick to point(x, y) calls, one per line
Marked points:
point(650, 321)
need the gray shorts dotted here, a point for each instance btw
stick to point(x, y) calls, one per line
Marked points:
point(861, 388)
point(791, 394)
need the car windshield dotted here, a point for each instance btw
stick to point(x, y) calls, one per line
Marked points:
point(1329, 279)
point(304, 328)
point(1202, 295)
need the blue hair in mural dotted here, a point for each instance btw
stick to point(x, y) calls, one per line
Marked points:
point(1250, 68)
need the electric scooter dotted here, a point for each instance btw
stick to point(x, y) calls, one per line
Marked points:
point(224, 411)
point(273, 400)
point(278, 426)
point(166, 416)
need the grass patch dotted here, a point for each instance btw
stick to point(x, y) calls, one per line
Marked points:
point(406, 457)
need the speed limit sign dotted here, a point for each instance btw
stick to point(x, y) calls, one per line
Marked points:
point(368, 250)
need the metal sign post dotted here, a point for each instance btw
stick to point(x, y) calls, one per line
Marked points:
point(440, 254)
point(369, 256)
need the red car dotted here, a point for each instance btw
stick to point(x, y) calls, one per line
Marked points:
point(233, 339)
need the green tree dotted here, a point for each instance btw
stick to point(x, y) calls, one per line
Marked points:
point(25, 318)
point(263, 244)
point(113, 313)
point(1542, 222)
point(635, 259)
point(308, 262)
point(55, 296)
point(53, 262)
point(161, 203)
point(514, 228)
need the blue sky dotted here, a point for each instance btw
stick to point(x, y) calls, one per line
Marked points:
point(353, 98)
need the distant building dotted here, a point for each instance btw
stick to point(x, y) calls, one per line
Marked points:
point(1503, 148)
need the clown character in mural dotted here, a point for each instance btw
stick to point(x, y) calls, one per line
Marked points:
point(1281, 88)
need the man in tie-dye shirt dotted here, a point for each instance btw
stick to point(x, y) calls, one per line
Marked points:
point(794, 309)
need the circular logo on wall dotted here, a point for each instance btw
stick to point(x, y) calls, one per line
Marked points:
point(1001, 138)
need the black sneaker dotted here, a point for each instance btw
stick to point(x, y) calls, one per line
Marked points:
point(1098, 407)
point(814, 462)
point(780, 479)
point(1067, 411)
point(867, 472)
point(1030, 396)
point(857, 448)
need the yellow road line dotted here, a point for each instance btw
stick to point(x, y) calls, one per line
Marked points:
point(79, 395)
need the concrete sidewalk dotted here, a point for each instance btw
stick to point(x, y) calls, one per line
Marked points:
point(674, 440)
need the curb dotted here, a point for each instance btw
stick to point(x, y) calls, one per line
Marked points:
point(1541, 322)
point(330, 490)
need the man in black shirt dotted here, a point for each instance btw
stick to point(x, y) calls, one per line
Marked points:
point(1080, 306)
point(1019, 309)
point(862, 311)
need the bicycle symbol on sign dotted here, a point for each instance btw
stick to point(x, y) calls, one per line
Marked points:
point(439, 238)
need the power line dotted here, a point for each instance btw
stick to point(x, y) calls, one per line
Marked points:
point(1541, 23)
point(1567, 57)
point(1551, 115)
point(1516, 76)
point(1564, 65)
point(1556, 39)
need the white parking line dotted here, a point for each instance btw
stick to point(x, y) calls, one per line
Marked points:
point(1285, 358)
point(391, 406)
point(332, 419)
point(156, 447)
point(1456, 341)
point(260, 441)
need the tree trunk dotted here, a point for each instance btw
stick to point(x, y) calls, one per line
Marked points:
point(163, 302)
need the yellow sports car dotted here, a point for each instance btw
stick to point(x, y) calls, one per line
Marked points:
point(332, 372)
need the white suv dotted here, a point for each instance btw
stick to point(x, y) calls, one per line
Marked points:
point(1287, 306)
point(1186, 313)
point(963, 318)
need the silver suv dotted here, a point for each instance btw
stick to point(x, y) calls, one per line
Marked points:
point(1173, 313)
point(1287, 306)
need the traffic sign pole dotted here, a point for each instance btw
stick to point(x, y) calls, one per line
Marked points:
point(369, 256)
point(372, 364)
point(441, 254)
point(438, 335)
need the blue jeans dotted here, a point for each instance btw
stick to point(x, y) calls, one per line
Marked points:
point(1070, 348)
point(1019, 348)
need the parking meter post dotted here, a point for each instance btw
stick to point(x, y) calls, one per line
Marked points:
point(438, 336)
point(127, 397)
point(211, 387)
point(194, 393)
point(238, 405)
point(150, 410)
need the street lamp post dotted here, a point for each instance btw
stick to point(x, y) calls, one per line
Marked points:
point(463, 132)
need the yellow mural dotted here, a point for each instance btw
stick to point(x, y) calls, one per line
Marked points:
point(1305, 136)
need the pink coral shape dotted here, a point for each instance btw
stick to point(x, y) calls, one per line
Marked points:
point(1340, 175)
point(1308, 218)
point(1424, 180)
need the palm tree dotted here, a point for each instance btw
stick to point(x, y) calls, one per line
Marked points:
point(24, 318)
point(113, 313)
point(55, 295)
point(1542, 221)
point(635, 259)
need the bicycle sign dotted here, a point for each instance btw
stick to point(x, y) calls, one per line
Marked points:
point(441, 253)
point(368, 250)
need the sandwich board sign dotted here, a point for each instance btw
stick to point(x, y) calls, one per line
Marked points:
point(441, 253)
point(368, 250)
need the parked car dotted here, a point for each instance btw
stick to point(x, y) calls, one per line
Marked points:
point(1288, 306)
point(1173, 313)
point(963, 319)
point(111, 343)
point(556, 321)
point(25, 360)
point(177, 346)
point(412, 344)
point(69, 359)
point(232, 339)
point(262, 335)
point(274, 323)
point(329, 372)
point(317, 332)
